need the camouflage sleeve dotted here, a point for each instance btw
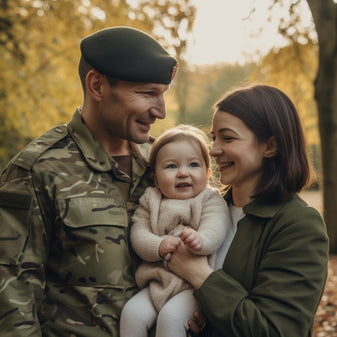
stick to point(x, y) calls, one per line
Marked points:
point(22, 255)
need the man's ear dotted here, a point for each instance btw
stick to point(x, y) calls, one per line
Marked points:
point(94, 81)
point(271, 148)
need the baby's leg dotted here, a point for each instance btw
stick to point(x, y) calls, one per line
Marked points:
point(174, 315)
point(138, 315)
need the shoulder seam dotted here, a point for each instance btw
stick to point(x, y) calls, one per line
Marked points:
point(28, 156)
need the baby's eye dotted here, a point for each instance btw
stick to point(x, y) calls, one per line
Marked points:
point(171, 166)
point(194, 164)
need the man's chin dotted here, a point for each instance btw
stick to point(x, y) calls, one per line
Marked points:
point(140, 139)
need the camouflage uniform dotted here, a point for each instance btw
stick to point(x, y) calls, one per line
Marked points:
point(65, 264)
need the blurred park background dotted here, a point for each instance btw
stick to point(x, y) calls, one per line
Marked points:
point(290, 44)
point(39, 53)
point(220, 44)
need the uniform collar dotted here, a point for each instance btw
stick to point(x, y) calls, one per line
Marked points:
point(92, 150)
point(260, 208)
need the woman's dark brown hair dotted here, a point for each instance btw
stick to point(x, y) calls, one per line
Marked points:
point(268, 112)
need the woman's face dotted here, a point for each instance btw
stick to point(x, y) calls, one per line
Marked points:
point(237, 152)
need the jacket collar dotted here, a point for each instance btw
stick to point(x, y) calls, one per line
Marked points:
point(92, 150)
point(259, 208)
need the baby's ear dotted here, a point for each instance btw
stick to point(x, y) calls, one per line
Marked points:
point(208, 173)
point(153, 176)
point(271, 148)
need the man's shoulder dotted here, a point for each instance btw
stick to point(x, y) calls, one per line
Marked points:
point(36, 148)
point(144, 149)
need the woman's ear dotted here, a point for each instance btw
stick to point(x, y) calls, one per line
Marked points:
point(271, 148)
point(94, 81)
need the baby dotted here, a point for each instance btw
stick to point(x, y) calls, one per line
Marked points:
point(182, 207)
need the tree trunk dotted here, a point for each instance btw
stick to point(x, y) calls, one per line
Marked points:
point(181, 90)
point(325, 17)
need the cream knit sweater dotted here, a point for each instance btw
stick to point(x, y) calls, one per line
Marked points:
point(157, 217)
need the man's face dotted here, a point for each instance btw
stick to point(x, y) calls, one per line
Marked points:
point(129, 109)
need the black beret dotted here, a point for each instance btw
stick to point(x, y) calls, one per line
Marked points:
point(128, 54)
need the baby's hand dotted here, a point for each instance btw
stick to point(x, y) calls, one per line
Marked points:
point(191, 238)
point(168, 245)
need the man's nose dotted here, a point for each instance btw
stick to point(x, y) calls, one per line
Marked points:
point(159, 109)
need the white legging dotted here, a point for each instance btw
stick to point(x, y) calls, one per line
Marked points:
point(139, 315)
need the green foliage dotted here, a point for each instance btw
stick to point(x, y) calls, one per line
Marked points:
point(207, 85)
point(39, 53)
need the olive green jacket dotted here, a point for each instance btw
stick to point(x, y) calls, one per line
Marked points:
point(273, 275)
point(65, 264)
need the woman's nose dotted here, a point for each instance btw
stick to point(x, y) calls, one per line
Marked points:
point(215, 151)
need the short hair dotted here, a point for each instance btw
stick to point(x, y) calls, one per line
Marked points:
point(180, 132)
point(267, 112)
point(83, 69)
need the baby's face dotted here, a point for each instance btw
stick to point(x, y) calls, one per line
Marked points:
point(181, 171)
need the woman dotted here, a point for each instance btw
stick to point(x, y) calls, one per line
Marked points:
point(273, 276)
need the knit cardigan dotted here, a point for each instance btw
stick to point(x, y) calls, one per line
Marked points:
point(158, 217)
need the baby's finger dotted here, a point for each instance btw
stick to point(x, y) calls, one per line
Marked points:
point(188, 237)
point(195, 244)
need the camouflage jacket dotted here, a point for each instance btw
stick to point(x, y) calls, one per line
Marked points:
point(65, 264)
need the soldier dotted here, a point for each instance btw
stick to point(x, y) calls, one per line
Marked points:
point(66, 199)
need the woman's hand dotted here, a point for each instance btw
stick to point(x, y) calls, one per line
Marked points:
point(198, 322)
point(193, 268)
